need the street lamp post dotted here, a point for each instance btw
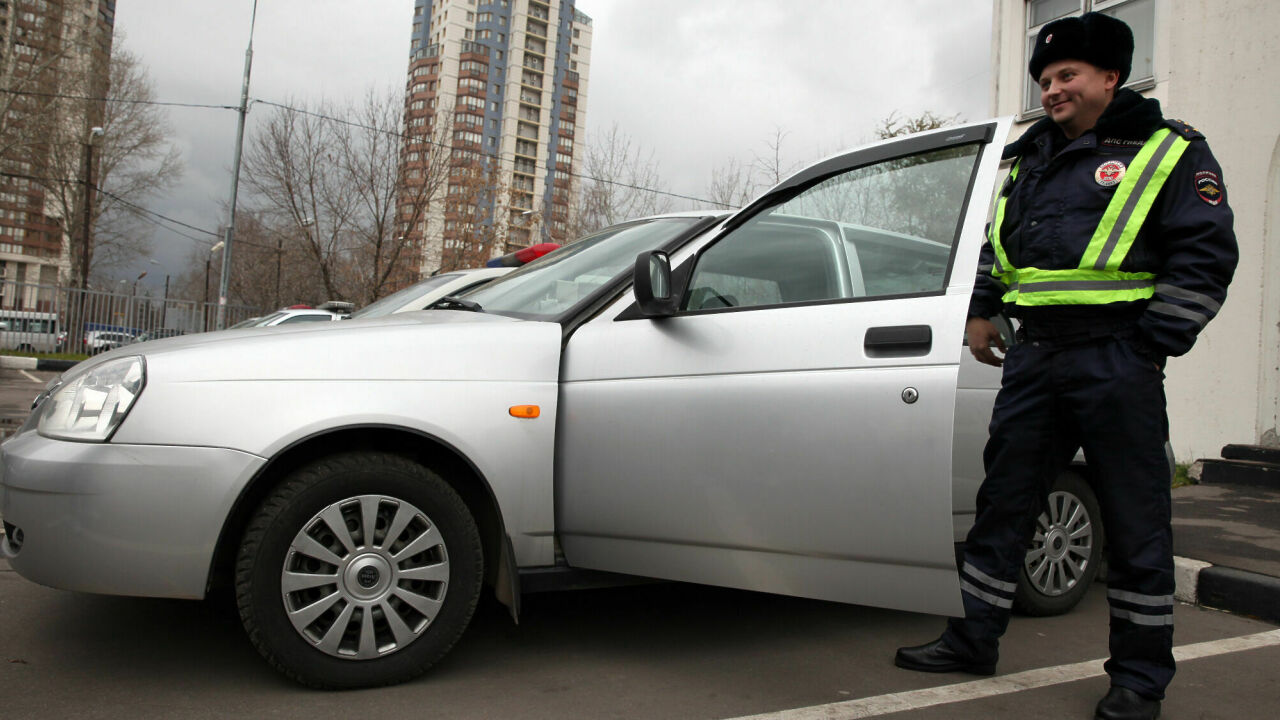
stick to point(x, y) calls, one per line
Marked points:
point(164, 299)
point(128, 316)
point(208, 260)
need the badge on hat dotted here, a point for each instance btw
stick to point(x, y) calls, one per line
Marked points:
point(1209, 187)
point(1109, 173)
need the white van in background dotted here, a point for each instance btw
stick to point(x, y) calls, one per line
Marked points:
point(29, 331)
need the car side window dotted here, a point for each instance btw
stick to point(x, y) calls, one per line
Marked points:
point(878, 230)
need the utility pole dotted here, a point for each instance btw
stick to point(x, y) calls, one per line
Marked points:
point(225, 284)
point(86, 243)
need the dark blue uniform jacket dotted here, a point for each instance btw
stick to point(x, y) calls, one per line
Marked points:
point(1054, 207)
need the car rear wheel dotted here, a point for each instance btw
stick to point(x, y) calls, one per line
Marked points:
point(359, 570)
point(1065, 550)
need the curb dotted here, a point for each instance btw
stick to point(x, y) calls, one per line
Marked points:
point(1222, 588)
point(30, 363)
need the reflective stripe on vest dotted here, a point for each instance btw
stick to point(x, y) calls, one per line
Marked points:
point(1098, 280)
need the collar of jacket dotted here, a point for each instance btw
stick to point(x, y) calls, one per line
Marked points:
point(1129, 117)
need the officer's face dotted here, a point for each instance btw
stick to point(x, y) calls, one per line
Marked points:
point(1074, 93)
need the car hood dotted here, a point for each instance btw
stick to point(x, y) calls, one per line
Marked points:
point(429, 344)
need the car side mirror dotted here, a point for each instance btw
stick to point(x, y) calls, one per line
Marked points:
point(654, 291)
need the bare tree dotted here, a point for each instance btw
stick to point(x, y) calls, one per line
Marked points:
point(294, 174)
point(622, 182)
point(472, 232)
point(732, 185)
point(54, 79)
point(392, 178)
point(135, 160)
point(45, 134)
point(771, 168)
point(895, 125)
point(343, 193)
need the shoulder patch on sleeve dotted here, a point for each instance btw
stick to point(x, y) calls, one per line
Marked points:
point(1209, 186)
point(1184, 129)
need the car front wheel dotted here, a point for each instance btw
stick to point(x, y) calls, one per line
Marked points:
point(359, 570)
point(1065, 550)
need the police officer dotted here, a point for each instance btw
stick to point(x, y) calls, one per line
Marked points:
point(1113, 244)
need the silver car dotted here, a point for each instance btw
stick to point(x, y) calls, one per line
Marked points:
point(767, 401)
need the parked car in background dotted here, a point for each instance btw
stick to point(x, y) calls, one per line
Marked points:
point(419, 295)
point(157, 334)
point(30, 331)
point(293, 317)
point(767, 400)
point(99, 341)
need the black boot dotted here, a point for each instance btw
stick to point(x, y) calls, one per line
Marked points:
point(1125, 704)
point(938, 657)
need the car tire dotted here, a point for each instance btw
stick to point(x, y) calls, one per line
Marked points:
point(1065, 552)
point(335, 609)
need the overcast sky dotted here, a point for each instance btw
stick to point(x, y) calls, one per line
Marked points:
point(698, 82)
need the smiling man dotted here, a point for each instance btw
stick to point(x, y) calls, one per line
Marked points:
point(1113, 244)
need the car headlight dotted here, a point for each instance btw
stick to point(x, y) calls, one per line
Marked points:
point(91, 406)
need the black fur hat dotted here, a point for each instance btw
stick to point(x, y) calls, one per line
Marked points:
point(1100, 40)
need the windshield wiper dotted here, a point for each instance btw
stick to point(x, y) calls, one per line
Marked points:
point(453, 302)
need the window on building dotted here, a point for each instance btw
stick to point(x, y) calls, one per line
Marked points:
point(1140, 15)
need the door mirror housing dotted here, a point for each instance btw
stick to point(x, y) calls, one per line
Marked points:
point(652, 285)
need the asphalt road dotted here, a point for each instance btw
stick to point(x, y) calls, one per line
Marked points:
point(658, 651)
point(655, 651)
point(17, 389)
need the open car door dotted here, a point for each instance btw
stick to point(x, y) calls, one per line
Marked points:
point(789, 427)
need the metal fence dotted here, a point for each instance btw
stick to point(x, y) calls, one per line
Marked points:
point(48, 318)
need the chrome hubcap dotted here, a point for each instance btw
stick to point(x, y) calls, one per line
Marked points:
point(364, 577)
point(1061, 546)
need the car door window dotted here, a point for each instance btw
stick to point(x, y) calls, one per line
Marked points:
point(885, 229)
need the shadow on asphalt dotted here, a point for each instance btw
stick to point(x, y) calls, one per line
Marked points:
point(202, 643)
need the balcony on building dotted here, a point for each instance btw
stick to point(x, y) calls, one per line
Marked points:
point(472, 50)
point(426, 53)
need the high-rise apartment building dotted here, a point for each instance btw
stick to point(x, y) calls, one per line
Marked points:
point(54, 55)
point(494, 111)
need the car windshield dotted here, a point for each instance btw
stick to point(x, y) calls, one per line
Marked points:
point(550, 286)
point(267, 319)
point(392, 302)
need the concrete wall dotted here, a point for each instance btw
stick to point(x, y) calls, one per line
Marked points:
point(1214, 63)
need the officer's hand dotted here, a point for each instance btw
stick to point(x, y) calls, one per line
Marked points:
point(982, 333)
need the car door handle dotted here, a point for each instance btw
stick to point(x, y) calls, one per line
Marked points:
point(898, 341)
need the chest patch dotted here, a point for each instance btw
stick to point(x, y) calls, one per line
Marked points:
point(1109, 173)
point(1209, 187)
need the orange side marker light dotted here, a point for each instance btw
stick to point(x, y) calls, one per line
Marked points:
point(525, 412)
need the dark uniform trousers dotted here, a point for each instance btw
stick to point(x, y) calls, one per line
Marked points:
point(1101, 395)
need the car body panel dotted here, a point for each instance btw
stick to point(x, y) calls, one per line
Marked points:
point(769, 448)
point(271, 401)
point(119, 519)
point(646, 426)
